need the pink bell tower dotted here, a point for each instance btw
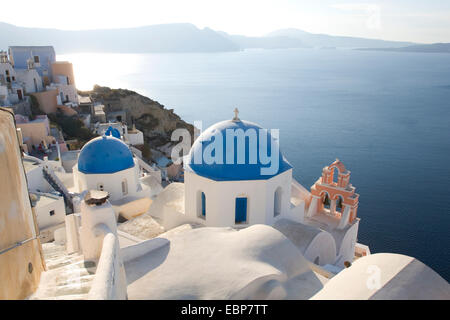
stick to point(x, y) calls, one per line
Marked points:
point(339, 195)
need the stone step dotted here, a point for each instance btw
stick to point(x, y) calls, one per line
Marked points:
point(55, 264)
point(74, 288)
point(57, 254)
point(77, 272)
point(68, 277)
point(83, 296)
point(63, 281)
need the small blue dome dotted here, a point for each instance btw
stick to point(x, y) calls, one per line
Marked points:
point(230, 169)
point(105, 154)
point(112, 132)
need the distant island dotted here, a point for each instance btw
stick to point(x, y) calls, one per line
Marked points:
point(177, 37)
point(427, 48)
point(325, 40)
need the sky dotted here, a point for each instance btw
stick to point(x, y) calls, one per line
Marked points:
point(424, 21)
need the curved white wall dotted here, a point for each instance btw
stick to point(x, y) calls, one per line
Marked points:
point(112, 182)
point(322, 249)
point(221, 195)
point(346, 249)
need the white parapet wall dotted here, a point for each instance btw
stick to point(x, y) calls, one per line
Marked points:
point(110, 280)
point(100, 243)
point(134, 251)
point(72, 233)
point(361, 250)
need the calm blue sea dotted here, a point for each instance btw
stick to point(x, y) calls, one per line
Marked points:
point(385, 115)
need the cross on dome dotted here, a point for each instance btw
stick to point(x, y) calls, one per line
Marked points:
point(236, 113)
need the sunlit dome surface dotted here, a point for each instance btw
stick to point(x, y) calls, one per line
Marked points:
point(105, 154)
point(233, 171)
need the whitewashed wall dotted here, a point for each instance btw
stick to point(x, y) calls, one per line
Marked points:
point(322, 249)
point(346, 248)
point(36, 180)
point(27, 78)
point(135, 138)
point(221, 195)
point(44, 219)
point(112, 182)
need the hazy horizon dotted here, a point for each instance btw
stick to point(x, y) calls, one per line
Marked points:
point(403, 20)
point(206, 27)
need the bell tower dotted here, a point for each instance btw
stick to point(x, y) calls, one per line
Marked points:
point(339, 195)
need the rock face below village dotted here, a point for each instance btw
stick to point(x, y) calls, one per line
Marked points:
point(152, 118)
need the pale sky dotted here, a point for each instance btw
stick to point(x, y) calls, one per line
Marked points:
point(424, 21)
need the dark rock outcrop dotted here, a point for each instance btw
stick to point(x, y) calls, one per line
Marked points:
point(152, 118)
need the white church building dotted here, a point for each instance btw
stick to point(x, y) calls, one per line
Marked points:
point(236, 176)
point(106, 163)
point(233, 194)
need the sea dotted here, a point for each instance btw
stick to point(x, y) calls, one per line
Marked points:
point(385, 115)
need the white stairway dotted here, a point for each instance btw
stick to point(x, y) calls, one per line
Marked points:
point(67, 277)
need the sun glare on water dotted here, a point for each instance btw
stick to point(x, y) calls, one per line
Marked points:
point(103, 69)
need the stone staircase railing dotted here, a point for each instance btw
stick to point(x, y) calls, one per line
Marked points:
point(148, 168)
point(56, 184)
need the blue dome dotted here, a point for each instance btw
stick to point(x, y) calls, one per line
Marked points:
point(112, 132)
point(105, 154)
point(225, 168)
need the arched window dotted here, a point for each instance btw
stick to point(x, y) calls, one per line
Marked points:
point(241, 206)
point(326, 200)
point(201, 204)
point(339, 205)
point(124, 187)
point(317, 260)
point(277, 202)
point(335, 174)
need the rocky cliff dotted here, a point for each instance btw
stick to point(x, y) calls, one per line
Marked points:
point(152, 118)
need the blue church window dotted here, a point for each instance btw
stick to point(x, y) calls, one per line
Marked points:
point(203, 205)
point(241, 210)
point(277, 202)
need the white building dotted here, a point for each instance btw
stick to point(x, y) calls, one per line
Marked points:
point(134, 136)
point(107, 164)
point(11, 92)
point(15, 83)
point(49, 208)
point(235, 195)
point(48, 203)
point(41, 57)
point(30, 80)
point(67, 93)
point(119, 130)
point(64, 80)
point(99, 113)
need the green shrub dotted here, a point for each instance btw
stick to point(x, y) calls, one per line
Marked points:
point(72, 126)
point(35, 108)
point(146, 152)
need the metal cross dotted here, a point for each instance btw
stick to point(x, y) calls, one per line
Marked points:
point(236, 112)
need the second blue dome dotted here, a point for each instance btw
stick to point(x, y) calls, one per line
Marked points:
point(105, 154)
